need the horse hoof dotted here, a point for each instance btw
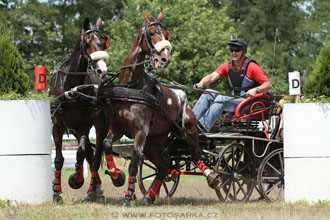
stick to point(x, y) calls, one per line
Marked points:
point(147, 201)
point(120, 181)
point(91, 197)
point(57, 198)
point(212, 180)
point(125, 202)
point(100, 198)
point(72, 182)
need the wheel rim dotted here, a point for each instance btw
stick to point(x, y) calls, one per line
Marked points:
point(271, 176)
point(147, 174)
point(236, 169)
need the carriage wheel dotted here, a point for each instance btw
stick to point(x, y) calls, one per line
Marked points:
point(236, 170)
point(147, 174)
point(271, 176)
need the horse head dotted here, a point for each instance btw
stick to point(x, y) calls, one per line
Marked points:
point(154, 40)
point(93, 44)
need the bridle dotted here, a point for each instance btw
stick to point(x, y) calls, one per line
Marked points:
point(159, 46)
point(96, 55)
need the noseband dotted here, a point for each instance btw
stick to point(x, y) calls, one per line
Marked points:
point(83, 50)
point(146, 34)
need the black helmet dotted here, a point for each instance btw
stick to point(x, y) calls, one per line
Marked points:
point(238, 42)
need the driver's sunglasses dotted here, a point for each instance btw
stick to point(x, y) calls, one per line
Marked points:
point(236, 50)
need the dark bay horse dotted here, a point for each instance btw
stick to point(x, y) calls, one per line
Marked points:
point(86, 64)
point(157, 110)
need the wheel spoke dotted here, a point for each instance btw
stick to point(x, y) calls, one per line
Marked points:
point(271, 188)
point(239, 160)
point(281, 160)
point(225, 183)
point(227, 164)
point(280, 193)
point(270, 178)
point(224, 172)
point(150, 166)
point(244, 167)
point(274, 168)
point(246, 180)
point(165, 187)
point(231, 184)
point(234, 191)
point(151, 175)
point(232, 158)
point(241, 188)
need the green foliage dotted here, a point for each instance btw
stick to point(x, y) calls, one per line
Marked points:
point(199, 36)
point(45, 31)
point(31, 95)
point(318, 82)
point(12, 75)
point(323, 203)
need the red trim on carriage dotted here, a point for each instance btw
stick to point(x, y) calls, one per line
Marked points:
point(175, 172)
point(247, 100)
point(201, 166)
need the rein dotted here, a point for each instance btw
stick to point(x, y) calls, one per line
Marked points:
point(175, 85)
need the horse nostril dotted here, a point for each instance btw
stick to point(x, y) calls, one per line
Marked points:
point(99, 71)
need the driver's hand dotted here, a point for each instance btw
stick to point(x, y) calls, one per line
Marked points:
point(197, 86)
point(251, 93)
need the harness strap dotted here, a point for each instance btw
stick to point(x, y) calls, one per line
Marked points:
point(127, 94)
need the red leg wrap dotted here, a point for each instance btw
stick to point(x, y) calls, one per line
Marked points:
point(154, 190)
point(92, 186)
point(57, 182)
point(98, 179)
point(114, 171)
point(200, 165)
point(131, 187)
point(79, 173)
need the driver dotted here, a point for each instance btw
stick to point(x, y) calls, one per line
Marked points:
point(245, 78)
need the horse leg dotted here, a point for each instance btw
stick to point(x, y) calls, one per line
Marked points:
point(76, 180)
point(94, 192)
point(117, 176)
point(193, 141)
point(139, 141)
point(59, 160)
point(153, 153)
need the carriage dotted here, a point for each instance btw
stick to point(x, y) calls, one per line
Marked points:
point(245, 149)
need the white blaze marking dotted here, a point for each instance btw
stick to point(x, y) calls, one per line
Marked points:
point(102, 65)
point(169, 101)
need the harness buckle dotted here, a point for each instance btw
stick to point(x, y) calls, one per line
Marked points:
point(108, 101)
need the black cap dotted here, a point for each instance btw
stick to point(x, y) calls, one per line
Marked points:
point(238, 42)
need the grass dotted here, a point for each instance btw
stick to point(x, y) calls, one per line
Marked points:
point(192, 200)
point(174, 208)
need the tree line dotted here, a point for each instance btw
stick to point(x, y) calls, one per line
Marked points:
point(283, 35)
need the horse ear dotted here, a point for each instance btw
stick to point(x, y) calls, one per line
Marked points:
point(146, 17)
point(160, 17)
point(107, 41)
point(168, 35)
point(86, 24)
point(99, 22)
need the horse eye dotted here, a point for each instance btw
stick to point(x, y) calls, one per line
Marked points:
point(152, 33)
